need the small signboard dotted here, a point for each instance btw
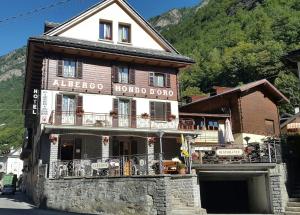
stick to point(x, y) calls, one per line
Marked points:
point(229, 152)
point(203, 148)
point(99, 165)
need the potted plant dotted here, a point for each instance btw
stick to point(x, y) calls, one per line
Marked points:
point(151, 140)
point(145, 115)
point(181, 168)
point(171, 117)
point(79, 112)
point(113, 114)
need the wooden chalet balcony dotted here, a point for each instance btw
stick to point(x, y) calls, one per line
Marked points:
point(108, 120)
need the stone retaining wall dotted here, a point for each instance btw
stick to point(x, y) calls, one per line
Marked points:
point(131, 195)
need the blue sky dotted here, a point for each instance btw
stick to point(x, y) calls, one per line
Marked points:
point(14, 33)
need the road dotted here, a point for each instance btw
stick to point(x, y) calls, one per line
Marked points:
point(17, 205)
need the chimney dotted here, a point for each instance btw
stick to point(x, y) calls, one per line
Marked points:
point(49, 25)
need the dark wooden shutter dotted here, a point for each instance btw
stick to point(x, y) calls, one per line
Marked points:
point(133, 113)
point(79, 69)
point(58, 109)
point(168, 110)
point(60, 66)
point(115, 119)
point(168, 80)
point(152, 110)
point(151, 79)
point(131, 76)
point(114, 74)
point(79, 110)
point(77, 152)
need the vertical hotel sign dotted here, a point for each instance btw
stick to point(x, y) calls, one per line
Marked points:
point(35, 101)
point(44, 106)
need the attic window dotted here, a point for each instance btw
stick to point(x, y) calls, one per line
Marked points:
point(124, 33)
point(105, 30)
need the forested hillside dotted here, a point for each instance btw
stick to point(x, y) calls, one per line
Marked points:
point(236, 42)
point(232, 41)
point(11, 90)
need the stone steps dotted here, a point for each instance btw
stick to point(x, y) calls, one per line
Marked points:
point(292, 213)
point(292, 209)
point(294, 199)
point(293, 204)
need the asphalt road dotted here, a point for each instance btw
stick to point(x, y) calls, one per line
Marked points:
point(17, 205)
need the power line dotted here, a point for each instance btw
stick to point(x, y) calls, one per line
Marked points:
point(34, 11)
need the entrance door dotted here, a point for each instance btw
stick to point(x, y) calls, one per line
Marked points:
point(128, 147)
point(66, 149)
point(124, 113)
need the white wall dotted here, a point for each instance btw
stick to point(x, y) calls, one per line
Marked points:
point(94, 103)
point(88, 29)
point(254, 138)
point(14, 165)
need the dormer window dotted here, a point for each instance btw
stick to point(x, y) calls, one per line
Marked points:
point(124, 33)
point(105, 30)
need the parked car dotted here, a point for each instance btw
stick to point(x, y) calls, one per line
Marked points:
point(8, 189)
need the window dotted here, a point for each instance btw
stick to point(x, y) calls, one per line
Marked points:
point(69, 70)
point(269, 124)
point(105, 30)
point(124, 33)
point(159, 79)
point(123, 73)
point(160, 110)
point(68, 104)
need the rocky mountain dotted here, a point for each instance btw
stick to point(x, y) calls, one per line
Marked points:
point(12, 68)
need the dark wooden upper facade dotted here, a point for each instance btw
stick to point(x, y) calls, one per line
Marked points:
point(99, 77)
point(252, 111)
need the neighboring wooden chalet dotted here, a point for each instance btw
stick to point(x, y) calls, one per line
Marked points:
point(252, 109)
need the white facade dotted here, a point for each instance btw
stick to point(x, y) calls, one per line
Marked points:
point(88, 27)
point(12, 163)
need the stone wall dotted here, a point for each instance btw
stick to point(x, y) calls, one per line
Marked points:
point(131, 195)
point(278, 189)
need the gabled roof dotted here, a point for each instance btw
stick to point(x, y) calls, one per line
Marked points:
point(97, 7)
point(276, 93)
point(111, 48)
point(291, 119)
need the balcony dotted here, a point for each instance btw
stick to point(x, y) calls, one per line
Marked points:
point(107, 120)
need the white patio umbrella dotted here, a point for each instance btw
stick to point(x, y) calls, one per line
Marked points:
point(221, 134)
point(228, 136)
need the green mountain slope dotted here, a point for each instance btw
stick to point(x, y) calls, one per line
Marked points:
point(11, 91)
point(236, 42)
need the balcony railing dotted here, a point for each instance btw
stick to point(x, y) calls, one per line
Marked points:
point(129, 165)
point(235, 153)
point(117, 121)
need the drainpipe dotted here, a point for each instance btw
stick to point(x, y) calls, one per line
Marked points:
point(161, 134)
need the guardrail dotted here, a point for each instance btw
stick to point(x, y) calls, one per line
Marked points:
point(235, 153)
point(138, 165)
point(118, 121)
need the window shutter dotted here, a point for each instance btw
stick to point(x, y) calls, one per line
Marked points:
point(151, 79)
point(79, 69)
point(115, 109)
point(131, 76)
point(58, 109)
point(152, 110)
point(133, 113)
point(79, 110)
point(168, 110)
point(114, 74)
point(60, 65)
point(168, 80)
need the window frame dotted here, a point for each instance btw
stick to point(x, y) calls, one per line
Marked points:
point(109, 22)
point(75, 68)
point(119, 77)
point(121, 24)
